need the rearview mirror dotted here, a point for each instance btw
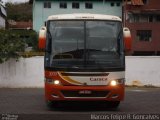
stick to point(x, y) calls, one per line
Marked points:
point(127, 39)
point(42, 38)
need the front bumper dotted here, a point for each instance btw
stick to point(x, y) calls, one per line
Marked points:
point(73, 93)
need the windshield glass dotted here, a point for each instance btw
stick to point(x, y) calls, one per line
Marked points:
point(85, 44)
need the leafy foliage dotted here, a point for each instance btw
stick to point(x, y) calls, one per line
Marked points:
point(10, 45)
point(33, 40)
point(30, 38)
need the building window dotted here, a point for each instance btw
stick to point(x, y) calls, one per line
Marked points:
point(144, 35)
point(47, 4)
point(136, 18)
point(88, 5)
point(112, 4)
point(144, 18)
point(63, 5)
point(150, 18)
point(158, 18)
point(75, 5)
point(118, 4)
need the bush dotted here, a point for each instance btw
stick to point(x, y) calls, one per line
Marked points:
point(10, 45)
point(33, 40)
point(30, 37)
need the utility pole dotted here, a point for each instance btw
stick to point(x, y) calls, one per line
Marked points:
point(124, 12)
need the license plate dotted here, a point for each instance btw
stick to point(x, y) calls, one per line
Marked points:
point(85, 92)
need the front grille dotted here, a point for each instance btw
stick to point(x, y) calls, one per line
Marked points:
point(77, 94)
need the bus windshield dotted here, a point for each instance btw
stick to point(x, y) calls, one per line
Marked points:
point(85, 44)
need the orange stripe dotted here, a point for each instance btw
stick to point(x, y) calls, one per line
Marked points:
point(68, 79)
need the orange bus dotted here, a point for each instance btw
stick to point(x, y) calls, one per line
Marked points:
point(84, 58)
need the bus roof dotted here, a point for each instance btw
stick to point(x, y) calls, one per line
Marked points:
point(80, 16)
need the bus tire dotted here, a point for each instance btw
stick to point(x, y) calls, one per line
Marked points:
point(113, 104)
point(51, 104)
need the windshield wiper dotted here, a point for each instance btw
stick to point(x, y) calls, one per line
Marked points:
point(92, 50)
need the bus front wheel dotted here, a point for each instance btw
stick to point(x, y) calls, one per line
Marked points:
point(52, 104)
point(113, 104)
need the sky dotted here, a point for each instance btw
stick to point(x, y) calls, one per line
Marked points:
point(15, 1)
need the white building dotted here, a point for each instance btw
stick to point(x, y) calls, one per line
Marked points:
point(3, 15)
point(44, 8)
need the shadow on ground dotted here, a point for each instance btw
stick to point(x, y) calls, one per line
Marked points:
point(74, 106)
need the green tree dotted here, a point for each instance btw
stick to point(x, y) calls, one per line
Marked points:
point(33, 40)
point(10, 45)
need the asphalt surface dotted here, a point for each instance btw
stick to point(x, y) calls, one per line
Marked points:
point(29, 102)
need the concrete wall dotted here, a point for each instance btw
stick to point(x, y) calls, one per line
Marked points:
point(143, 70)
point(40, 14)
point(28, 72)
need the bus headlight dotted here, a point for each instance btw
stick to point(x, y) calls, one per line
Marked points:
point(117, 82)
point(51, 81)
point(56, 82)
point(113, 83)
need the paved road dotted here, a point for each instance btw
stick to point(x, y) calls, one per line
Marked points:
point(30, 102)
